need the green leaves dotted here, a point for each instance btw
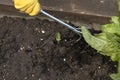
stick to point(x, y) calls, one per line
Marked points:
point(113, 27)
point(95, 42)
point(105, 43)
point(115, 76)
point(108, 41)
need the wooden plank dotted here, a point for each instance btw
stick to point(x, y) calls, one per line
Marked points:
point(90, 7)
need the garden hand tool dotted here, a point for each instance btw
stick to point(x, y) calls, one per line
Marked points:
point(61, 22)
point(32, 7)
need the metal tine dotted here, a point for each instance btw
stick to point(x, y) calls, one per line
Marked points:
point(61, 22)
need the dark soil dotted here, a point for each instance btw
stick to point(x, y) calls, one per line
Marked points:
point(29, 51)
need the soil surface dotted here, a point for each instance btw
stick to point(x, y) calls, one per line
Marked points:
point(29, 51)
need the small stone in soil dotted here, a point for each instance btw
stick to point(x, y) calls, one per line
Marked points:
point(65, 40)
point(43, 31)
point(115, 65)
point(39, 79)
point(22, 48)
point(101, 1)
point(25, 78)
point(99, 67)
point(33, 75)
point(48, 69)
point(41, 39)
point(4, 66)
point(64, 59)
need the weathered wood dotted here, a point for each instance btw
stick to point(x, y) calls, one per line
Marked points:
point(72, 10)
point(91, 7)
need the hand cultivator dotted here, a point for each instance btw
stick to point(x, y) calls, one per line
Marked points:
point(61, 22)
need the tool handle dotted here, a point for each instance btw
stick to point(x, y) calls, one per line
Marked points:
point(61, 22)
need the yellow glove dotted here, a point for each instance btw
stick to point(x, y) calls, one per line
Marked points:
point(31, 7)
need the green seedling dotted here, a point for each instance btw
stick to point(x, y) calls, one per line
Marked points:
point(108, 41)
point(58, 37)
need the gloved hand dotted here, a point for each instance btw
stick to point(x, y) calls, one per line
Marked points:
point(31, 7)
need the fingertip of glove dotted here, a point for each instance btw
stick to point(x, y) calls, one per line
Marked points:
point(36, 10)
